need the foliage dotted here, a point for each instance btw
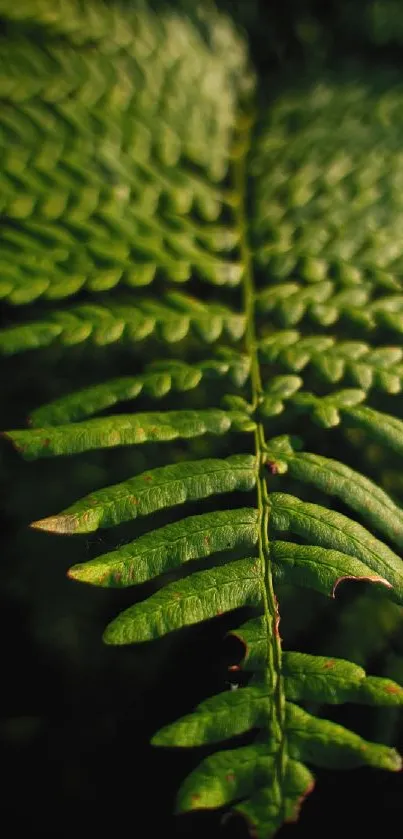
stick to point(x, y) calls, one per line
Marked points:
point(274, 212)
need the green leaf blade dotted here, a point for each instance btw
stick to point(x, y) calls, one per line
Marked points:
point(157, 381)
point(253, 636)
point(326, 743)
point(358, 492)
point(225, 777)
point(200, 597)
point(169, 547)
point(123, 430)
point(266, 810)
point(334, 680)
point(157, 489)
point(384, 428)
point(217, 719)
point(333, 530)
point(319, 568)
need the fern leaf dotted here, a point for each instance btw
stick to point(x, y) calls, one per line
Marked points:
point(237, 774)
point(323, 679)
point(308, 678)
point(154, 490)
point(318, 568)
point(164, 549)
point(158, 380)
point(191, 600)
point(217, 719)
point(106, 325)
point(291, 302)
point(325, 743)
point(125, 430)
point(355, 490)
point(383, 427)
point(265, 811)
point(227, 776)
point(327, 411)
point(127, 186)
point(337, 532)
point(343, 406)
point(277, 392)
point(253, 636)
point(234, 713)
point(333, 360)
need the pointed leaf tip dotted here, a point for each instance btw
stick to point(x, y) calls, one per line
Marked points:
point(63, 524)
point(50, 525)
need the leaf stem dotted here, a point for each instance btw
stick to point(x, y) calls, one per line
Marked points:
point(273, 676)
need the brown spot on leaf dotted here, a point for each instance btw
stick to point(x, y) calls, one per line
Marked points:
point(134, 500)
point(272, 467)
point(277, 620)
point(45, 443)
point(396, 689)
point(195, 796)
point(147, 478)
point(329, 664)
point(207, 540)
point(230, 777)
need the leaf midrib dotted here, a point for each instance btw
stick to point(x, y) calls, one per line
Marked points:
point(276, 722)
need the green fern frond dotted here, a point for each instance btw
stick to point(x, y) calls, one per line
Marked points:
point(165, 549)
point(126, 430)
point(170, 320)
point(335, 478)
point(159, 379)
point(334, 360)
point(121, 154)
point(131, 156)
point(326, 202)
point(155, 490)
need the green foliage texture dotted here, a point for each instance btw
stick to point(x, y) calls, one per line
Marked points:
point(247, 236)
